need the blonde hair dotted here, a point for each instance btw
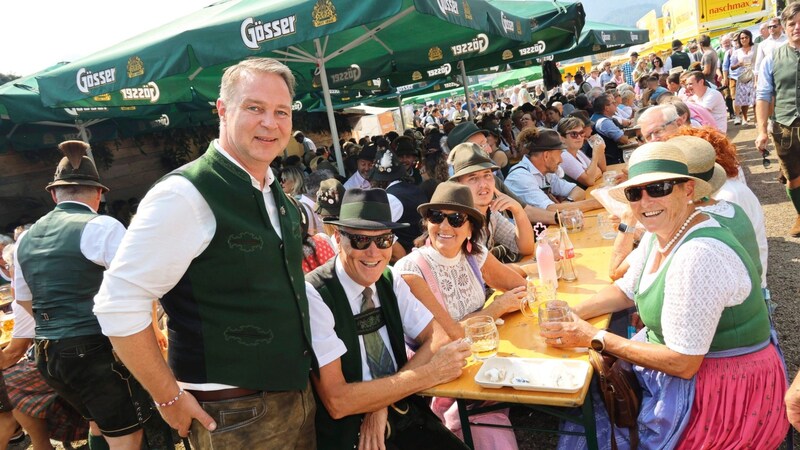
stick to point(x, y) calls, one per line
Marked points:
point(233, 75)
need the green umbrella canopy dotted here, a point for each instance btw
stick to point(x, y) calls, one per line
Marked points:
point(390, 36)
point(517, 76)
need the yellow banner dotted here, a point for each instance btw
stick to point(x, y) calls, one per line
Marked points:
point(649, 22)
point(713, 10)
point(680, 16)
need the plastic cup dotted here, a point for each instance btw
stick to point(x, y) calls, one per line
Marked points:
point(610, 178)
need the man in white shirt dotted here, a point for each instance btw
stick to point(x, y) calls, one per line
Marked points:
point(594, 78)
point(237, 244)
point(710, 99)
point(365, 161)
point(765, 48)
point(568, 86)
point(361, 314)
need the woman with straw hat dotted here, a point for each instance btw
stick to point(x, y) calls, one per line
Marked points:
point(447, 274)
point(709, 372)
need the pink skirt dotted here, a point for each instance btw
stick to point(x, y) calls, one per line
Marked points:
point(738, 403)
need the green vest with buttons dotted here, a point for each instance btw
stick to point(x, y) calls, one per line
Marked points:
point(739, 326)
point(62, 281)
point(239, 315)
point(785, 69)
point(335, 434)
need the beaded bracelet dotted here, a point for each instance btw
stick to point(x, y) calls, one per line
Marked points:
point(171, 402)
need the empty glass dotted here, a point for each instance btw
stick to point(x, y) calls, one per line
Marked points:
point(607, 228)
point(626, 155)
point(481, 333)
point(572, 219)
point(610, 178)
point(555, 311)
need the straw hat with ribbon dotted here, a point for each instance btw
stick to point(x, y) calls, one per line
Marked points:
point(658, 161)
point(701, 158)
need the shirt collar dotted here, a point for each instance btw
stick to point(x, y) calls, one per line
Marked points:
point(253, 181)
point(78, 203)
point(352, 290)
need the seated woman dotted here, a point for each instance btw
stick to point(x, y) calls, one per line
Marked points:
point(577, 166)
point(709, 373)
point(447, 273)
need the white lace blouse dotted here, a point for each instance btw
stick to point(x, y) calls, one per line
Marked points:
point(460, 289)
point(704, 277)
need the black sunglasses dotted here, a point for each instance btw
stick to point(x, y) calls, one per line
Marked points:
point(455, 219)
point(654, 190)
point(362, 242)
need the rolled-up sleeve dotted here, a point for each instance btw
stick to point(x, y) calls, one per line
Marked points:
point(173, 225)
point(326, 344)
point(765, 88)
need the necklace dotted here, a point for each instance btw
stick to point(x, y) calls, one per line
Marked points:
point(679, 233)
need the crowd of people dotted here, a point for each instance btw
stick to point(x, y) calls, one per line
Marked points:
point(333, 299)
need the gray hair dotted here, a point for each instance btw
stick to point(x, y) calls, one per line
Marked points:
point(76, 193)
point(314, 179)
point(233, 75)
point(668, 114)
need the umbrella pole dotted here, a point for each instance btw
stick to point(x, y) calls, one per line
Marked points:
point(400, 108)
point(329, 108)
point(466, 88)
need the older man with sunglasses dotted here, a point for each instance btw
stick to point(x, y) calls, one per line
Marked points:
point(362, 313)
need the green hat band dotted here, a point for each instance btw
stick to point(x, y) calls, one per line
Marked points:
point(380, 212)
point(705, 176)
point(658, 165)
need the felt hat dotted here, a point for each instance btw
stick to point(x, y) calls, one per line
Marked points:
point(658, 161)
point(701, 159)
point(462, 132)
point(467, 158)
point(405, 145)
point(547, 139)
point(366, 209)
point(568, 75)
point(329, 198)
point(387, 167)
point(75, 168)
point(452, 196)
point(368, 153)
point(676, 44)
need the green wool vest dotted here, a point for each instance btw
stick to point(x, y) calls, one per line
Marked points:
point(785, 69)
point(742, 229)
point(63, 282)
point(239, 315)
point(739, 326)
point(343, 433)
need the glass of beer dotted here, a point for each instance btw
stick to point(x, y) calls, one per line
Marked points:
point(481, 333)
point(7, 323)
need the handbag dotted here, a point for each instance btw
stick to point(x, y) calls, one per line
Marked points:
point(746, 76)
point(621, 393)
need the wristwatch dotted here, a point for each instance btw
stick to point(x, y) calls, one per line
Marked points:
point(598, 341)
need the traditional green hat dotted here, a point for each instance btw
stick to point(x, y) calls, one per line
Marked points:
point(75, 168)
point(453, 196)
point(366, 209)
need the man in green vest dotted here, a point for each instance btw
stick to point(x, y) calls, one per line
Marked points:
point(219, 242)
point(777, 81)
point(60, 264)
point(362, 314)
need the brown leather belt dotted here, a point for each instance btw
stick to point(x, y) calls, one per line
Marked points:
point(222, 394)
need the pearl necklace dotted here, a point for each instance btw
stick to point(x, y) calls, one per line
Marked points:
point(679, 233)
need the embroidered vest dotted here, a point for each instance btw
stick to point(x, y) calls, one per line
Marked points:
point(239, 315)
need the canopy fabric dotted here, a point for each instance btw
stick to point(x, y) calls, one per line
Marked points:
point(517, 76)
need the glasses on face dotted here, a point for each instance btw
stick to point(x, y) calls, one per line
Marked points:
point(362, 242)
point(654, 190)
point(436, 217)
point(658, 131)
point(575, 134)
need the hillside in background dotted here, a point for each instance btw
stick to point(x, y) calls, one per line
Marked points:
point(619, 12)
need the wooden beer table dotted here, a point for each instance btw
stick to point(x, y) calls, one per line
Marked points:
point(519, 337)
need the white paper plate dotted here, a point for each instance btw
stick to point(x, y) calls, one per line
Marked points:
point(533, 374)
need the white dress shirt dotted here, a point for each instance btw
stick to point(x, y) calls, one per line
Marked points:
point(327, 345)
point(356, 181)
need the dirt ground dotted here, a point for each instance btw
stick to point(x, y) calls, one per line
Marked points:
point(784, 264)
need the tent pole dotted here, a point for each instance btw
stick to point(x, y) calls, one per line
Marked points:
point(400, 108)
point(329, 108)
point(466, 88)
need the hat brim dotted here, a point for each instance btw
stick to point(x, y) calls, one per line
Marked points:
point(701, 188)
point(718, 178)
point(89, 183)
point(472, 169)
point(472, 212)
point(364, 224)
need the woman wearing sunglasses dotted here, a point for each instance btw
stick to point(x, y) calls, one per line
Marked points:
point(447, 273)
point(577, 166)
point(710, 373)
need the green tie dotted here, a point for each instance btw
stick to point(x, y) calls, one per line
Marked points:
point(378, 358)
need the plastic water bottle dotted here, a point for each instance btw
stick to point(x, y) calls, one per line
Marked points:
point(546, 261)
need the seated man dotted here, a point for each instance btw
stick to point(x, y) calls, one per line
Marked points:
point(508, 241)
point(604, 108)
point(361, 316)
point(534, 178)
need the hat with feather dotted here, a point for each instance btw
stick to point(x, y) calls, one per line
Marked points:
point(75, 168)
